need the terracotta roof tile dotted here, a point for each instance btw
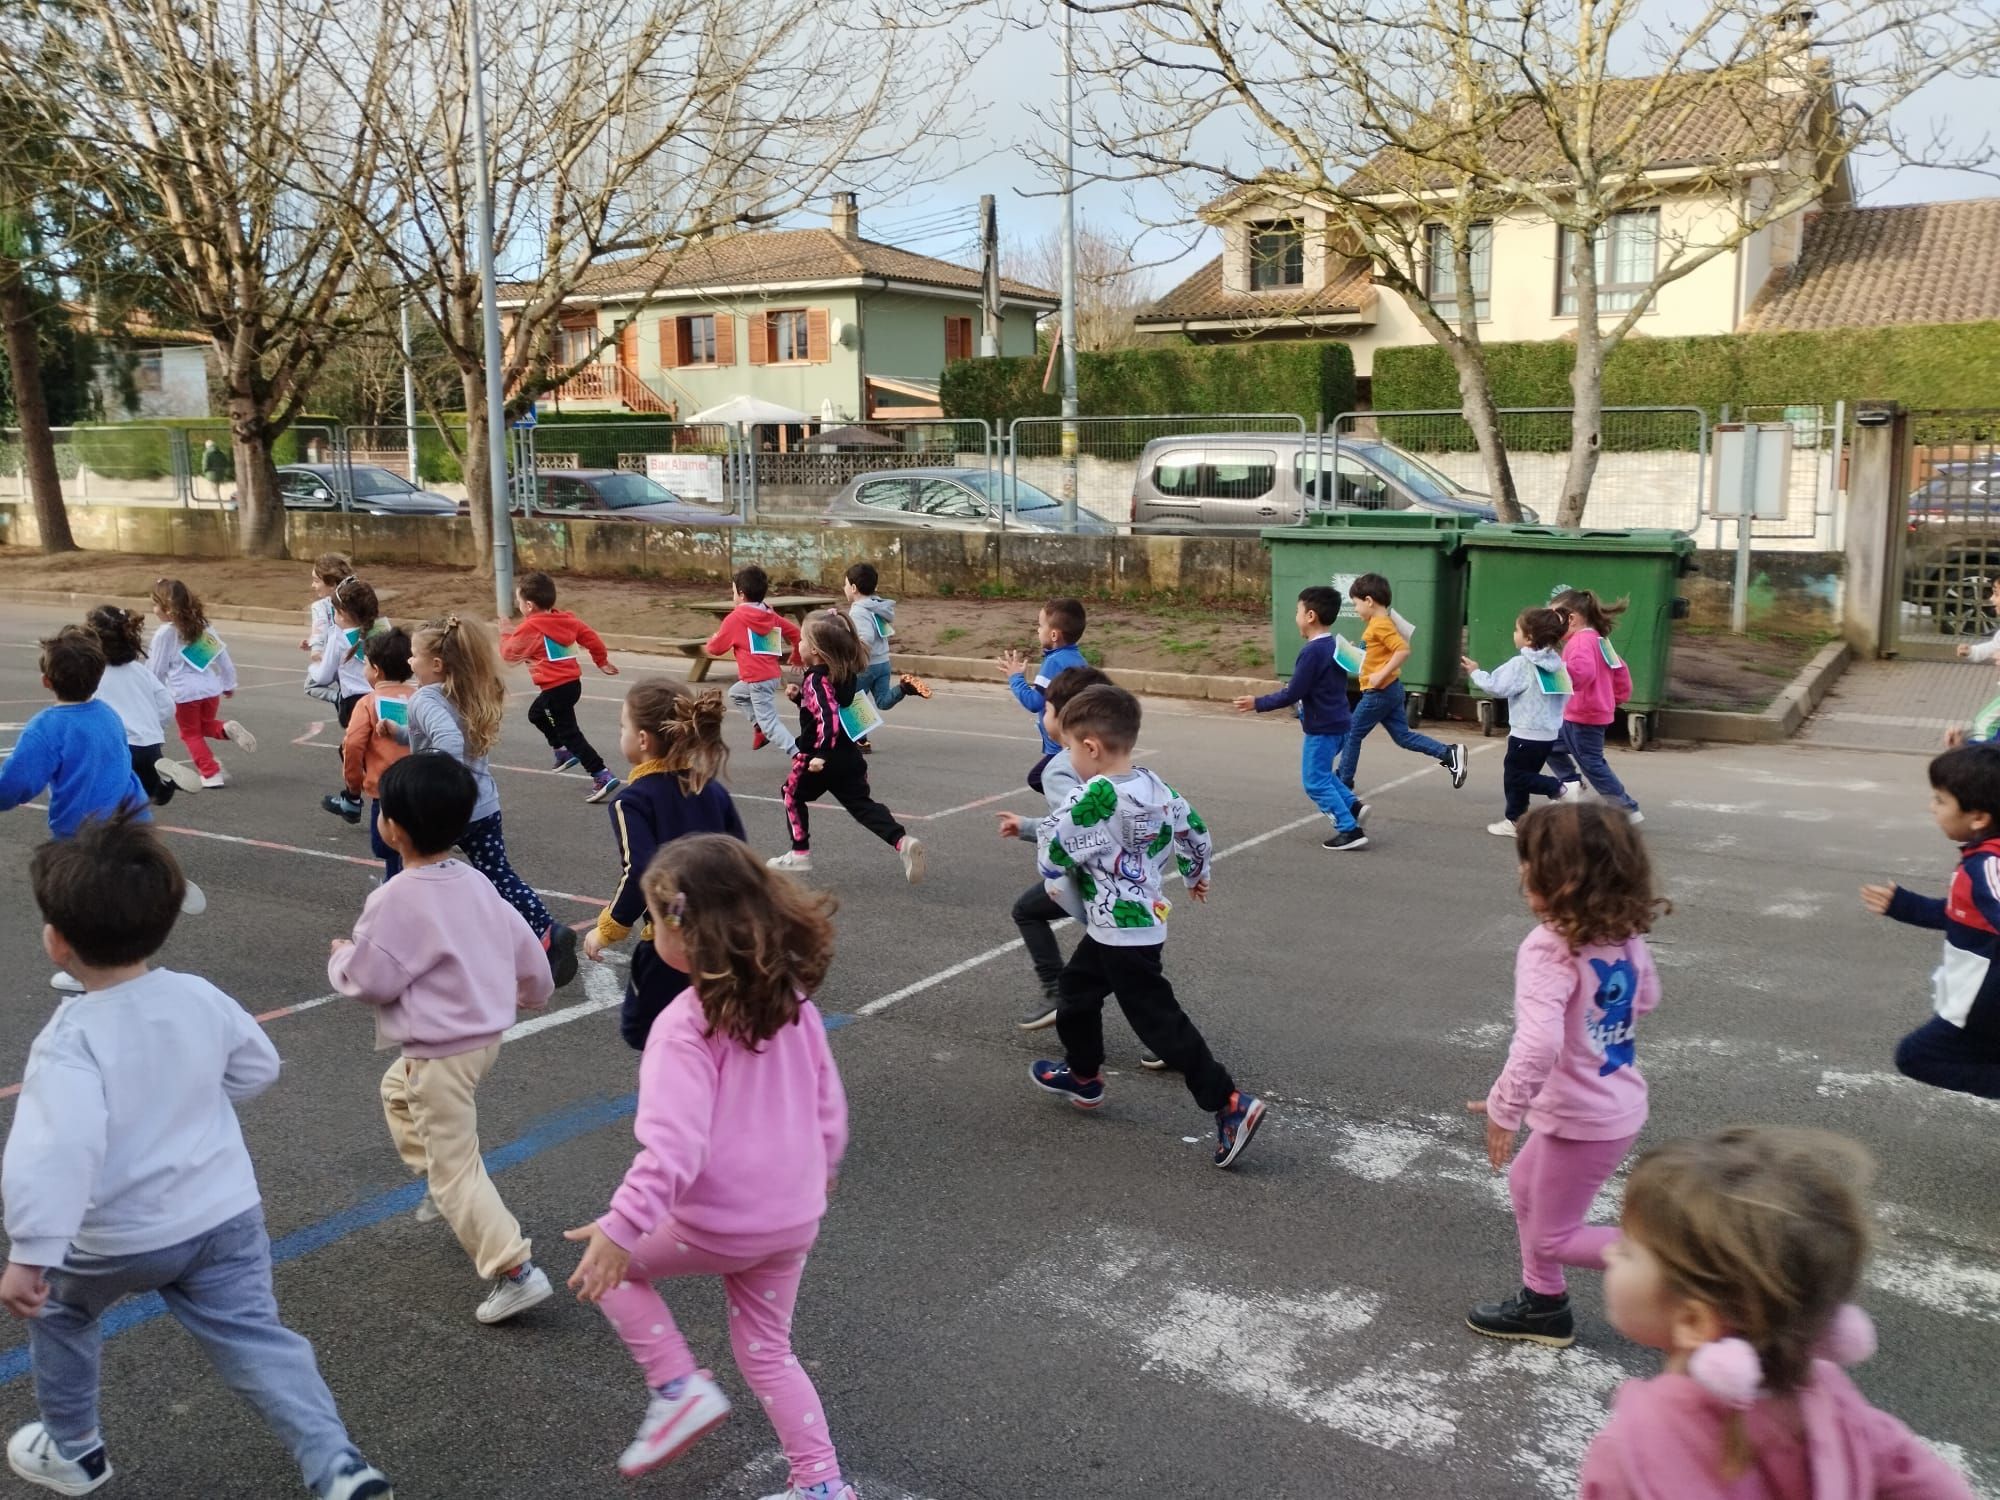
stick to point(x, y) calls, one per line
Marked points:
point(1902, 263)
point(1350, 292)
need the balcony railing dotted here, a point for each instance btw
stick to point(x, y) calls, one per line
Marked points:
point(614, 383)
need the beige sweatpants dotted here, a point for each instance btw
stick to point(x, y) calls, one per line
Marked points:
point(434, 1122)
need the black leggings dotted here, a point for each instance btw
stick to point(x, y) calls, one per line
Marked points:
point(846, 776)
point(554, 713)
point(145, 765)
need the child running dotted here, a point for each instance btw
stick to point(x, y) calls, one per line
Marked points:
point(546, 639)
point(672, 739)
point(874, 621)
point(1317, 693)
point(1382, 697)
point(741, 1127)
point(194, 664)
point(364, 754)
point(126, 1174)
point(1058, 628)
point(761, 640)
point(357, 616)
point(1737, 1259)
point(1536, 687)
point(456, 709)
point(446, 963)
point(1601, 681)
point(827, 757)
point(1109, 843)
point(328, 569)
point(140, 700)
point(1582, 979)
point(1959, 1047)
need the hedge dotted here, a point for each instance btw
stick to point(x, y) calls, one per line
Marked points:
point(1308, 379)
point(144, 450)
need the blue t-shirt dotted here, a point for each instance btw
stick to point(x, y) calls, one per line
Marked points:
point(77, 752)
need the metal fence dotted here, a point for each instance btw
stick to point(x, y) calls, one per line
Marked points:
point(806, 481)
point(1951, 546)
point(190, 464)
point(1104, 473)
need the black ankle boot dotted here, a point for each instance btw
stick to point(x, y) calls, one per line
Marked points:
point(1529, 1315)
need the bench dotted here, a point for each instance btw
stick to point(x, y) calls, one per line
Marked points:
point(690, 646)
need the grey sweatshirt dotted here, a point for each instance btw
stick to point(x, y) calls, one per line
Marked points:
point(1531, 713)
point(435, 725)
point(871, 615)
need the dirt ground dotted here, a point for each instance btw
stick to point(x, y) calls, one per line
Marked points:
point(1711, 669)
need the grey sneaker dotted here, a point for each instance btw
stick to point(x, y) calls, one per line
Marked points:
point(238, 735)
point(512, 1295)
point(32, 1454)
point(912, 850)
point(1041, 1012)
point(178, 773)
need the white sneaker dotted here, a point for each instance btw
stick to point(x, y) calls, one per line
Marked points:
point(194, 903)
point(798, 861)
point(912, 850)
point(218, 779)
point(845, 1492)
point(427, 1211)
point(32, 1454)
point(1636, 816)
point(179, 773)
point(361, 1481)
point(241, 736)
point(65, 981)
point(510, 1297)
point(1572, 791)
point(1502, 829)
point(673, 1426)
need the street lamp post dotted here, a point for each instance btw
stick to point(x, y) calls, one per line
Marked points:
point(1068, 353)
point(489, 296)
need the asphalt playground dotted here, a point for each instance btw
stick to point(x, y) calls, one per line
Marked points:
point(1012, 1298)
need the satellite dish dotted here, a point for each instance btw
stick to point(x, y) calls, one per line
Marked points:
point(835, 327)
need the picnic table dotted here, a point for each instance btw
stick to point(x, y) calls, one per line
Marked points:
point(792, 606)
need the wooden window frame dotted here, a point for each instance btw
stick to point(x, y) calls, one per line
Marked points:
point(1614, 289)
point(1438, 236)
point(1275, 229)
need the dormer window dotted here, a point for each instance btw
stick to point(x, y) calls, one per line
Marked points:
point(1277, 255)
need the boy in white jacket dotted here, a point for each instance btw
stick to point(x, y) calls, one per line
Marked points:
point(1536, 686)
point(125, 1173)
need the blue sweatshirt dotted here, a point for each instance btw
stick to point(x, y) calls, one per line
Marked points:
point(1965, 986)
point(77, 752)
point(651, 810)
point(1056, 661)
point(1318, 686)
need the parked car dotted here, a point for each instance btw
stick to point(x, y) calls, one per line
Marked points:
point(1273, 479)
point(1952, 553)
point(954, 499)
point(620, 495)
point(367, 488)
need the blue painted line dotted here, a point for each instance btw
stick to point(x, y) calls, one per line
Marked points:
point(835, 1022)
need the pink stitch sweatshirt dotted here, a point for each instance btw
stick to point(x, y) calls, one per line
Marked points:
point(1573, 1068)
point(1599, 687)
point(736, 1146)
point(1665, 1442)
point(445, 961)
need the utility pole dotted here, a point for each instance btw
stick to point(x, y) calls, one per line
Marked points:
point(989, 277)
point(409, 393)
point(1068, 351)
point(489, 296)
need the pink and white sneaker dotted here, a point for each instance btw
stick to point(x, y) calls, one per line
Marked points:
point(675, 1424)
point(835, 1491)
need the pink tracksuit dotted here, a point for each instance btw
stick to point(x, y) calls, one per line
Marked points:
point(737, 1148)
point(1572, 1075)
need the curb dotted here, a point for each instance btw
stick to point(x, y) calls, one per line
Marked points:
point(250, 614)
point(1778, 722)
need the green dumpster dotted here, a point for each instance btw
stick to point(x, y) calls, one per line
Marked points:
point(1512, 568)
point(1419, 553)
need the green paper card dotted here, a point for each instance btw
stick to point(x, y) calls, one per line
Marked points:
point(557, 650)
point(392, 710)
point(1609, 652)
point(860, 718)
point(883, 628)
point(1554, 681)
point(201, 652)
point(1348, 656)
point(1986, 723)
point(767, 643)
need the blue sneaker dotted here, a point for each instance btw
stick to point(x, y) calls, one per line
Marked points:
point(564, 760)
point(1084, 1093)
point(1235, 1123)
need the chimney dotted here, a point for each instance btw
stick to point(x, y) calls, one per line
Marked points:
point(1792, 58)
point(846, 216)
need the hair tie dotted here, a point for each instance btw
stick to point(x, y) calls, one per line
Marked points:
point(1730, 1371)
point(450, 624)
point(1849, 1339)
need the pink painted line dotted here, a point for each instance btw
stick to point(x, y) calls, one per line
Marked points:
point(311, 734)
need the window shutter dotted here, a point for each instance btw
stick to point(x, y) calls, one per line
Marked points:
point(818, 345)
point(670, 353)
point(951, 349)
point(760, 338)
point(725, 338)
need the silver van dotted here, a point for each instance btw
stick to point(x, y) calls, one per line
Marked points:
point(1273, 478)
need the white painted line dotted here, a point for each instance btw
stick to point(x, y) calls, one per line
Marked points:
point(602, 989)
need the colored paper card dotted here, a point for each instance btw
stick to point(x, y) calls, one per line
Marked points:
point(1403, 627)
point(557, 650)
point(393, 710)
point(1986, 723)
point(1554, 681)
point(767, 643)
point(353, 638)
point(883, 628)
point(1609, 652)
point(1347, 656)
point(199, 653)
point(861, 717)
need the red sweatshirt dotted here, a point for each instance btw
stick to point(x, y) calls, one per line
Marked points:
point(531, 639)
point(734, 636)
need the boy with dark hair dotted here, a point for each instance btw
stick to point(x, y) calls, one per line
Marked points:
point(762, 641)
point(1959, 1047)
point(1058, 628)
point(446, 963)
point(1109, 844)
point(1381, 686)
point(1317, 693)
point(546, 639)
point(874, 619)
point(364, 754)
point(125, 1173)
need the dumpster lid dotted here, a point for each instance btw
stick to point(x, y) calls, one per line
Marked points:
point(1374, 526)
point(1526, 538)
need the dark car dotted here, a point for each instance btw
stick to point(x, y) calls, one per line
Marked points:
point(954, 499)
point(367, 488)
point(619, 495)
point(1952, 552)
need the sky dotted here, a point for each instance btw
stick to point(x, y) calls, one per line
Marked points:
point(1022, 72)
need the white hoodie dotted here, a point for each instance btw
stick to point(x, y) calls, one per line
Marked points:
point(188, 683)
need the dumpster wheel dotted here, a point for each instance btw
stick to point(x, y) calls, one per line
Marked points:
point(1639, 730)
point(1413, 707)
point(1488, 719)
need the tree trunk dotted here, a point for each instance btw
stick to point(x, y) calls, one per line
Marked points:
point(260, 511)
point(478, 486)
point(1586, 383)
point(1483, 417)
point(31, 407)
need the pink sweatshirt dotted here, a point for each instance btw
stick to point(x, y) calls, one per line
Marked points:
point(735, 1145)
point(1573, 1068)
point(445, 961)
point(1665, 1441)
point(1596, 698)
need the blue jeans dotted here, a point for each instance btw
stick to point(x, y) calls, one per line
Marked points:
point(1384, 706)
point(879, 682)
point(1328, 794)
point(218, 1286)
point(1579, 756)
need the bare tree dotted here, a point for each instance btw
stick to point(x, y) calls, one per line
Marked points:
point(20, 258)
point(1405, 126)
point(624, 132)
point(202, 137)
point(1111, 287)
